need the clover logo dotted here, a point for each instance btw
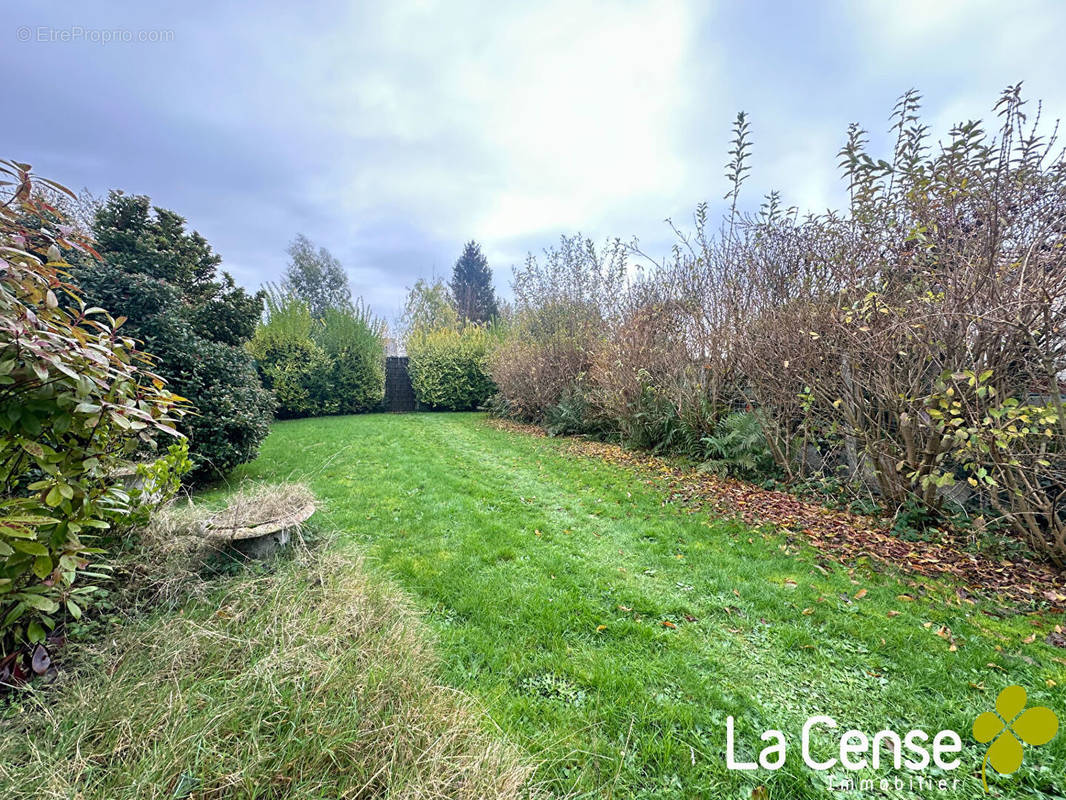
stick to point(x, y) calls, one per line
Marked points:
point(1010, 725)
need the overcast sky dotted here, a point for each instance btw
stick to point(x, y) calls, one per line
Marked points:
point(392, 132)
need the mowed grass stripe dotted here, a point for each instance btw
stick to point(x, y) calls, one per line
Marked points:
point(520, 552)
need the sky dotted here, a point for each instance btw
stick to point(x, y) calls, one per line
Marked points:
point(393, 132)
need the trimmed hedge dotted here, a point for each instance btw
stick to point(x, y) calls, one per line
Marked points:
point(449, 367)
point(316, 367)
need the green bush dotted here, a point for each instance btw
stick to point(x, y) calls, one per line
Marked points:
point(153, 484)
point(354, 342)
point(449, 367)
point(76, 401)
point(290, 364)
point(191, 317)
point(333, 365)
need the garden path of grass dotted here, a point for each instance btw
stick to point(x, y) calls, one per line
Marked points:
point(551, 578)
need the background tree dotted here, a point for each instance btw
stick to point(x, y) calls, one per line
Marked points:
point(472, 292)
point(316, 277)
point(191, 316)
point(429, 306)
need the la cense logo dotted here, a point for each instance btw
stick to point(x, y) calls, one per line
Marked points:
point(1005, 730)
point(1010, 725)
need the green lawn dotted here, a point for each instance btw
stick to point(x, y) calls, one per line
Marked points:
point(549, 578)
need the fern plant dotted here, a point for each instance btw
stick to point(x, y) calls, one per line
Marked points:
point(738, 448)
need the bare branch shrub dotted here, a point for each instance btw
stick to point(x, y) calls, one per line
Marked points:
point(920, 337)
point(563, 304)
point(914, 344)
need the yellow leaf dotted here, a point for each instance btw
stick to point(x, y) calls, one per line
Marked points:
point(1036, 726)
point(987, 727)
point(859, 595)
point(1005, 754)
point(1010, 701)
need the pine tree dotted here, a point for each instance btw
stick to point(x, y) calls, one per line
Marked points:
point(475, 299)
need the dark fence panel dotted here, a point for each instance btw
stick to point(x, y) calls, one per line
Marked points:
point(399, 394)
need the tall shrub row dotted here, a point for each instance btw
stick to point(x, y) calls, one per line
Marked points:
point(912, 345)
point(333, 364)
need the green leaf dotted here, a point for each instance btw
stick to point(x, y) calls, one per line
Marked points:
point(54, 497)
point(42, 566)
point(30, 547)
point(17, 533)
point(14, 614)
point(45, 604)
point(35, 632)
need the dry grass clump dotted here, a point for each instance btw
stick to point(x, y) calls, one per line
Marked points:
point(314, 681)
point(261, 503)
point(168, 563)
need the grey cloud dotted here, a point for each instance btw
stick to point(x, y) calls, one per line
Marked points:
point(392, 133)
